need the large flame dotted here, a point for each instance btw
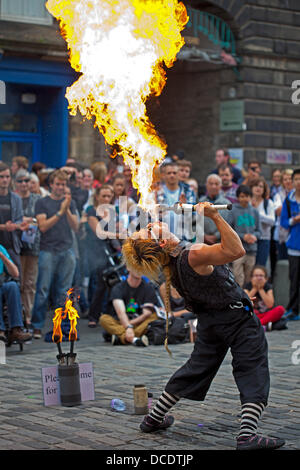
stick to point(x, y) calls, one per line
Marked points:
point(120, 47)
point(61, 314)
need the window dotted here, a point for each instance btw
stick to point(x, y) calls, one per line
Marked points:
point(33, 11)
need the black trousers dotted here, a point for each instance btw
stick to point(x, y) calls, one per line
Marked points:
point(294, 275)
point(217, 332)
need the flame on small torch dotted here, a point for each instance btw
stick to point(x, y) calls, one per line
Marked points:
point(120, 47)
point(61, 314)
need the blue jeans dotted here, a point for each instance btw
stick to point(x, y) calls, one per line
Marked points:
point(10, 291)
point(57, 268)
point(263, 251)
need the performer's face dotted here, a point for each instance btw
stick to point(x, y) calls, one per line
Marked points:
point(157, 230)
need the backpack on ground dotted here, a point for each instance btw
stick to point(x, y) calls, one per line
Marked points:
point(178, 331)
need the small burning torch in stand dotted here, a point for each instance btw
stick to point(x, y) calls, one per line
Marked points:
point(61, 314)
point(68, 370)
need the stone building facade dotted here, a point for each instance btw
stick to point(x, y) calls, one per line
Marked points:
point(267, 34)
point(196, 103)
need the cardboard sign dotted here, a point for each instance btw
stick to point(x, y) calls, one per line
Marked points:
point(50, 381)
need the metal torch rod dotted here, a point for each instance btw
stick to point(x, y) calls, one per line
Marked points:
point(71, 356)
point(219, 207)
point(179, 207)
point(61, 356)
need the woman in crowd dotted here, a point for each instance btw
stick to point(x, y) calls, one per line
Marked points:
point(30, 243)
point(126, 207)
point(285, 188)
point(276, 182)
point(98, 249)
point(35, 186)
point(260, 200)
point(87, 184)
point(261, 291)
point(130, 190)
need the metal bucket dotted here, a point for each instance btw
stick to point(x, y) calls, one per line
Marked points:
point(69, 384)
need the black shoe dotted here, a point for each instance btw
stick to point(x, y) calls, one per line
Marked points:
point(142, 341)
point(106, 337)
point(256, 442)
point(115, 340)
point(150, 425)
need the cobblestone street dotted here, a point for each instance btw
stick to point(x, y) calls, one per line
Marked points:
point(27, 424)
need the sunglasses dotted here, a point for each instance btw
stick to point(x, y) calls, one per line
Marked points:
point(254, 168)
point(23, 181)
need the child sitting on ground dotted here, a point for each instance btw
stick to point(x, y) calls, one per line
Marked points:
point(261, 290)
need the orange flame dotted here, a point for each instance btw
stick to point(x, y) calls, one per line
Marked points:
point(61, 314)
point(120, 47)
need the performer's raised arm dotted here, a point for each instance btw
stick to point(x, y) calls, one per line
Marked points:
point(229, 249)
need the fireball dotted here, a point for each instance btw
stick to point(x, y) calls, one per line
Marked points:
point(121, 49)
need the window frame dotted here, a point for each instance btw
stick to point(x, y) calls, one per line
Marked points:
point(47, 21)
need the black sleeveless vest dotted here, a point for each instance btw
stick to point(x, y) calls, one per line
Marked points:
point(215, 291)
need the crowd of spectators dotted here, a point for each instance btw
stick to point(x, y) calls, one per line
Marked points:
point(55, 235)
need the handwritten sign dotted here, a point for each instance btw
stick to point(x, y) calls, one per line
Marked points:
point(51, 390)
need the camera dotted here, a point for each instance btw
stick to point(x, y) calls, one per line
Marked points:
point(111, 276)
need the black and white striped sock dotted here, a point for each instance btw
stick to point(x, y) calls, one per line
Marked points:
point(251, 413)
point(165, 402)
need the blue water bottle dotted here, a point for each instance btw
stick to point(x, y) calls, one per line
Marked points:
point(117, 405)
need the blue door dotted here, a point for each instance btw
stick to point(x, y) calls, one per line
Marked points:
point(34, 119)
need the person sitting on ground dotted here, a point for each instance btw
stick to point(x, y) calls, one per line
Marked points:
point(130, 310)
point(177, 303)
point(261, 291)
point(10, 291)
